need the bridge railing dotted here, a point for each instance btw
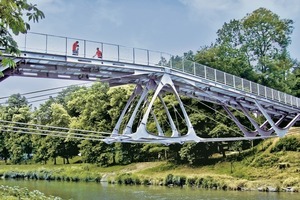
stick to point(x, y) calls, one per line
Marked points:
point(46, 43)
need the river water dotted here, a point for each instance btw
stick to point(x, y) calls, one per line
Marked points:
point(91, 191)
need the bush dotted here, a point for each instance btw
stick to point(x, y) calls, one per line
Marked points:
point(128, 179)
point(191, 181)
point(287, 143)
point(169, 179)
point(179, 180)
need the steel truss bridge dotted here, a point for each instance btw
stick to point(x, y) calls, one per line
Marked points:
point(49, 56)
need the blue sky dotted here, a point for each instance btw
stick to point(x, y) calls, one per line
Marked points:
point(173, 26)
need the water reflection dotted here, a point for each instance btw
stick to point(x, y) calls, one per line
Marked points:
point(82, 190)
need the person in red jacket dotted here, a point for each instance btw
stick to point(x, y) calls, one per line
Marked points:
point(75, 48)
point(98, 53)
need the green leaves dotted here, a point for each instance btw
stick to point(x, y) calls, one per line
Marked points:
point(12, 19)
point(255, 48)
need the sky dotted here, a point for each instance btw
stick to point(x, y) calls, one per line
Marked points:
point(172, 26)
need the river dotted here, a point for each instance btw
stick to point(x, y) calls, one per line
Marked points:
point(91, 191)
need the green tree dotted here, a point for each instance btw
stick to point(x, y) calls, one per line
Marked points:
point(16, 144)
point(254, 48)
point(91, 110)
point(15, 16)
point(56, 145)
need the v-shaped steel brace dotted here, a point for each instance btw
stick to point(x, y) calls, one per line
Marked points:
point(278, 130)
point(141, 134)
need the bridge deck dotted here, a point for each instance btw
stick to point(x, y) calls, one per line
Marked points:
point(199, 81)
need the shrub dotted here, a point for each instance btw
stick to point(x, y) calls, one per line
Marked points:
point(179, 180)
point(191, 181)
point(128, 179)
point(169, 179)
point(287, 143)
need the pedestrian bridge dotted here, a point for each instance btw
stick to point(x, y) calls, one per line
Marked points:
point(49, 56)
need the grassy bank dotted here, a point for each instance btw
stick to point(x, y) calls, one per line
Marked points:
point(258, 168)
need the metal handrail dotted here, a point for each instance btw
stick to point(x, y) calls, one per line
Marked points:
point(60, 45)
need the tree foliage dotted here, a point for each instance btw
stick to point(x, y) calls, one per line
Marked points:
point(255, 48)
point(15, 16)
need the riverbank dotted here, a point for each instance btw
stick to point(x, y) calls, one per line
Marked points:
point(255, 169)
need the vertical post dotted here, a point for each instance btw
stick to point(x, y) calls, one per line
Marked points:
point(205, 72)
point(242, 84)
point(225, 78)
point(215, 73)
point(183, 64)
point(148, 57)
point(84, 49)
point(133, 55)
point(250, 86)
point(233, 81)
point(25, 41)
point(272, 91)
point(194, 68)
point(257, 89)
point(285, 98)
point(102, 49)
point(46, 43)
point(118, 53)
point(266, 92)
point(66, 46)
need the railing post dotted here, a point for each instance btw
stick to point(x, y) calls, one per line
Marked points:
point(215, 73)
point(133, 55)
point(272, 91)
point(265, 92)
point(194, 68)
point(234, 81)
point(285, 98)
point(243, 85)
point(205, 72)
point(118, 53)
point(84, 49)
point(148, 57)
point(250, 86)
point(46, 43)
point(66, 46)
point(25, 41)
point(102, 49)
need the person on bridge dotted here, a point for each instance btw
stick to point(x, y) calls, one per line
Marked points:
point(75, 48)
point(98, 53)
